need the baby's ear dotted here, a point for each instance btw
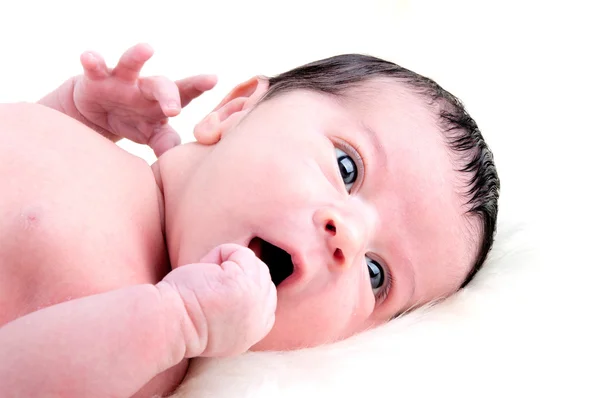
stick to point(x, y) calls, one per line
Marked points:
point(231, 110)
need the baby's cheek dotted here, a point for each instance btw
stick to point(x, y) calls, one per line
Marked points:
point(353, 301)
point(342, 308)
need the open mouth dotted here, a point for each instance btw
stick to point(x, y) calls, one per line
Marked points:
point(278, 260)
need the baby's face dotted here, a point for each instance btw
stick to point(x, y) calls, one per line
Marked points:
point(386, 235)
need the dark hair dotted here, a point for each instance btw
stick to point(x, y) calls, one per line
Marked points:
point(337, 75)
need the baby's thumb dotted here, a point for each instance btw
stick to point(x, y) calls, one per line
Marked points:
point(163, 140)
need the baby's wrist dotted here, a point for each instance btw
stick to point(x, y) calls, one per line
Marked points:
point(186, 327)
point(62, 100)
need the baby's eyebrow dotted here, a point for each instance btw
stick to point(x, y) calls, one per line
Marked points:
point(375, 143)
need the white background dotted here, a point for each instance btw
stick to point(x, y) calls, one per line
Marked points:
point(527, 71)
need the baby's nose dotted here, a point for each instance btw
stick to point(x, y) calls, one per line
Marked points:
point(344, 236)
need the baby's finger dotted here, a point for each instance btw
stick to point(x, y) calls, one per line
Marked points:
point(164, 139)
point(192, 87)
point(94, 66)
point(224, 252)
point(162, 90)
point(248, 262)
point(132, 61)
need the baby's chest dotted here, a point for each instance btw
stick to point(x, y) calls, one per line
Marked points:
point(59, 248)
point(71, 229)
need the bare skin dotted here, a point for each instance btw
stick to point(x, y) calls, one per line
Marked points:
point(89, 223)
point(90, 276)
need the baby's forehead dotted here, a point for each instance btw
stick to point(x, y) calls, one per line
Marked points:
point(379, 107)
point(382, 89)
point(364, 91)
point(394, 106)
point(380, 97)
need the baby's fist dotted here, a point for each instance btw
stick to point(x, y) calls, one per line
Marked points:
point(227, 301)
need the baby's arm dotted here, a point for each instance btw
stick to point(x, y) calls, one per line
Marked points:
point(112, 344)
point(105, 345)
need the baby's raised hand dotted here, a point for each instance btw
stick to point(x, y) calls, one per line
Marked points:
point(227, 301)
point(120, 103)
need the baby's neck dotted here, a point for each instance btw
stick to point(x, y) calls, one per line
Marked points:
point(172, 172)
point(169, 172)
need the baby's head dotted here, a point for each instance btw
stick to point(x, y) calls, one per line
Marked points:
point(373, 179)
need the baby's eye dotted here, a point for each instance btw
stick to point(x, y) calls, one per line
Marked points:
point(348, 169)
point(377, 275)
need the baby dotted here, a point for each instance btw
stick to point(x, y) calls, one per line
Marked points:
point(360, 189)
